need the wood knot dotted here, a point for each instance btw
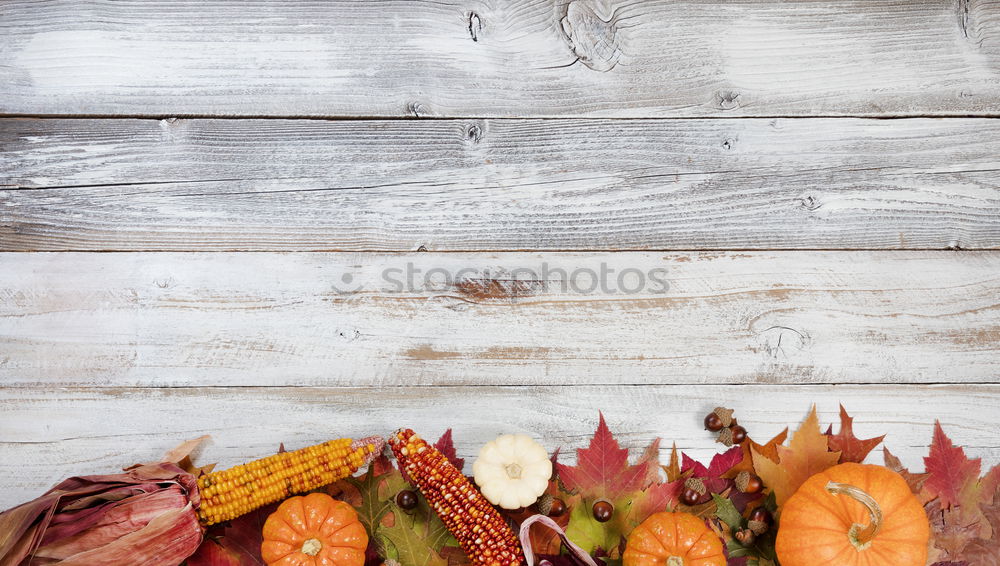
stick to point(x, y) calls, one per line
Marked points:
point(487, 289)
point(728, 143)
point(417, 109)
point(727, 99)
point(593, 39)
point(810, 203)
point(475, 26)
point(780, 341)
point(473, 133)
point(977, 22)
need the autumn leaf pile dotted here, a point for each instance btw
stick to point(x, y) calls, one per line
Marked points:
point(962, 502)
point(963, 507)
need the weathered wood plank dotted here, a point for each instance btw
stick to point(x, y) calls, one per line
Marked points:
point(637, 58)
point(165, 319)
point(499, 184)
point(48, 435)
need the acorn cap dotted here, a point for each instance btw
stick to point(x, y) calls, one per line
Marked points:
point(726, 437)
point(696, 484)
point(758, 527)
point(545, 503)
point(742, 481)
point(725, 415)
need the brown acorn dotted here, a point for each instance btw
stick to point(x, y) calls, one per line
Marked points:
point(694, 492)
point(406, 499)
point(603, 510)
point(748, 483)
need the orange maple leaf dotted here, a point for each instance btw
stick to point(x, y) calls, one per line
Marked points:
point(769, 450)
point(852, 448)
point(673, 470)
point(808, 453)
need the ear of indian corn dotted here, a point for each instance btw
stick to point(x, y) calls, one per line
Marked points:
point(484, 535)
point(230, 493)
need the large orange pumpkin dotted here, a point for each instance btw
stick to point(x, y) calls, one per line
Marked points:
point(314, 530)
point(853, 514)
point(673, 539)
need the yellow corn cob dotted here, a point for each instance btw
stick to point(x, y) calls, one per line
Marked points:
point(227, 494)
point(485, 537)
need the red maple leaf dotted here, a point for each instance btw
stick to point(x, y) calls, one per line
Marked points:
point(713, 475)
point(851, 448)
point(949, 471)
point(602, 470)
point(447, 447)
point(657, 497)
point(236, 543)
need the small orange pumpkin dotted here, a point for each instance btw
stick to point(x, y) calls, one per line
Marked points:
point(673, 539)
point(853, 514)
point(314, 530)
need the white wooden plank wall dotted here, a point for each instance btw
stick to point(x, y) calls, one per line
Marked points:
point(187, 190)
point(197, 319)
point(500, 184)
point(511, 58)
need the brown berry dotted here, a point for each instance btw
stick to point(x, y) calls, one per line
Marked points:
point(713, 422)
point(739, 434)
point(690, 497)
point(406, 499)
point(745, 536)
point(557, 508)
point(761, 514)
point(748, 483)
point(603, 510)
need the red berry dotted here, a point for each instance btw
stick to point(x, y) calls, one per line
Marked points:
point(761, 514)
point(406, 499)
point(557, 508)
point(713, 422)
point(739, 434)
point(603, 510)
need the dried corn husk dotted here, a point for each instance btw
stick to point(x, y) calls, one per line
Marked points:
point(145, 515)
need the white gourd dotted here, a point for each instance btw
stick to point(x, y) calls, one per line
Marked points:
point(512, 471)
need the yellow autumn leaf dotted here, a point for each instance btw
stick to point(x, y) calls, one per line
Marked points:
point(806, 455)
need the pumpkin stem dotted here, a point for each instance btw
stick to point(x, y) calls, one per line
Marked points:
point(675, 561)
point(311, 547)
point(861, 536)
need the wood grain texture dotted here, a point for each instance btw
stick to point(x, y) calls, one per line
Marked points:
point(195, 319)
point(499, 184)
point(48, 435)
point(636, 58)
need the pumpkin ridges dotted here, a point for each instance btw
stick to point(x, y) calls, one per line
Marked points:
point(340, 518)
point(311, 519)
point(801, 543)
point(647, 538)
point(293, 533)
point(678, 534)
point(708, 548)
